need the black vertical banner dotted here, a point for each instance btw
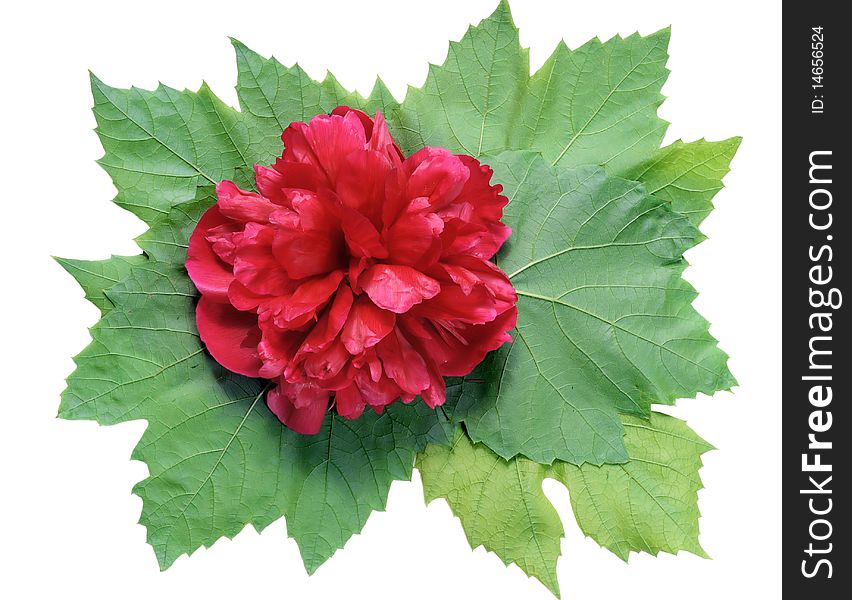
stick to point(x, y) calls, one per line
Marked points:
point(817, 369)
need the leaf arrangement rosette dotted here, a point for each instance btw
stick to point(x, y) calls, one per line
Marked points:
point(329, 295)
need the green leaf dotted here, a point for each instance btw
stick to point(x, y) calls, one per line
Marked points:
point(272, 96)
point(168, 238)
point(688, 175)
point(597, 104)
point(94, 276)
point(218, 459)
point(159, 146)
point(593, 105)
point(649, 504)
point(605, 320)
point(500, 503)
point(468, 103)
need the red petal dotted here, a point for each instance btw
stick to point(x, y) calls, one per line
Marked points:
point(397, 288)
point(452, 304)
point(362, 237)
point(276, 349)
point(331, 323)
point(307, 253)
point(208, 272)
point(324, 142)
point(365, 119)
point(378, 394)
point(349, 402)
point(491, 275)
point(231, 336)
point(327, 363)
point(242, 206)
point(255, 265)
point(361, 183)
point(311, 295)
point(366, 326)
point(301, 407)
point(381, 139)
point(437, 175)
point(436, 393)
point(414, 237)
point(403, 363)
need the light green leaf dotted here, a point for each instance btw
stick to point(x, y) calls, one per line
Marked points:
point(500, 503)
point(688, 175)
point(649, 504)
point(94, 276)
point(218, 459)
point(593, 105)
point(605, 320)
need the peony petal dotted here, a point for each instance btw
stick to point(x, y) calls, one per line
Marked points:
point(491, 275)
point(208, 272)
point(305, 254)
point(452, 304)
point(331, 323)
point(378, 394)
point(366, 325)
point(242, 206)
point(365, 119)
point(285, 177)
point(349, 402)
point(231, 336)
point(324, 142)
point(312, 294)
point(255, 265)
point(381, 139)
point(361, 183)
point(361, 235)
point(223, 240)
point(414, 239)
point(456, 352)
point(403, 363)
point(327, 363)
point(436, 175)
point(277, 349)
point(301, 407)
point(397, 288)
point(436, 394)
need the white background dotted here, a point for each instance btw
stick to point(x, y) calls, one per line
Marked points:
point(68, 517)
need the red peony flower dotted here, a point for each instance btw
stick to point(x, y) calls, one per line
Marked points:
point(355, 274)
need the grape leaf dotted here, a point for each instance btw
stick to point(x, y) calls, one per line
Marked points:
point(500, 503)
point(218, 459)
point(649, 504)
point(168, 238)
point(159, 146)
point(94, 276)
point(272, 96)
point(593, 105)
point(469, 103)
point(687, 175)
point(605, 320)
